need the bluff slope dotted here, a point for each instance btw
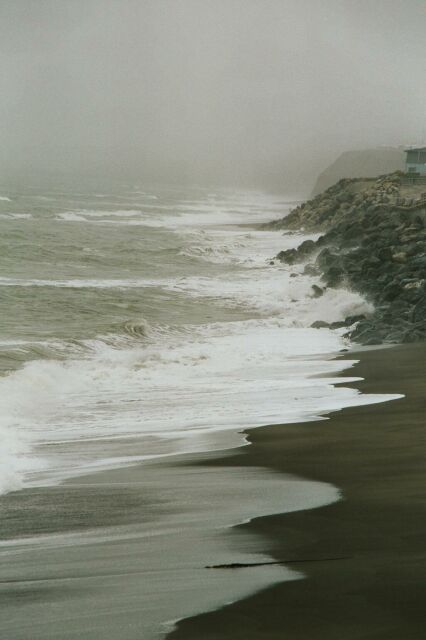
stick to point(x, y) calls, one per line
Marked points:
point(360, 163)
point(373, 242)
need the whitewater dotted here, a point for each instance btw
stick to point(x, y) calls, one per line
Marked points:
point(144, 332)
point(157, 316)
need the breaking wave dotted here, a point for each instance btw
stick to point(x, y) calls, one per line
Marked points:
point(228, 344)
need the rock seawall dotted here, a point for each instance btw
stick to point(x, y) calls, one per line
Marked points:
point(373, 242)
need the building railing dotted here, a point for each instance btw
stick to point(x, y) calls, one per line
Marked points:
point(413, 178)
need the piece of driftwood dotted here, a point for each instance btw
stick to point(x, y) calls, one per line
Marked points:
point(244, 565)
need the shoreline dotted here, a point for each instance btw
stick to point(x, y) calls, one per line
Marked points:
point(130, 548)
point(123, 552)
point(313, 539)
point(375, 455)
point(102, 541)
point(373, 241)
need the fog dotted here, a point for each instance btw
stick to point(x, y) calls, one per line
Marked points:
point(260, 93)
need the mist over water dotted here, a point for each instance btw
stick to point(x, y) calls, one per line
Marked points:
point(226, 92)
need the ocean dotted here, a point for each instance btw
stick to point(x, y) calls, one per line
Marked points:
point(142, 325)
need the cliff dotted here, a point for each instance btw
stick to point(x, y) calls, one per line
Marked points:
point(355, 164)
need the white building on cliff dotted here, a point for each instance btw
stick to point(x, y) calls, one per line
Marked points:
point(415, 161)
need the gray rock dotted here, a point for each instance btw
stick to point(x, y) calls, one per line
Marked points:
point(317, 291)
point(370, 245)
point(310, 270)
point(320, 324)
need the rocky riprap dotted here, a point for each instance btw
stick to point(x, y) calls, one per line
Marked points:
point(373, 242)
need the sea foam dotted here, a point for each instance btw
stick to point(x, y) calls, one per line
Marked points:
point(167, 389)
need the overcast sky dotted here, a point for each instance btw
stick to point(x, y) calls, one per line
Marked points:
point(209, 91)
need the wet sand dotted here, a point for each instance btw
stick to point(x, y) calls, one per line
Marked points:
point(376, 455)
point(122, 553)
point(117, 553)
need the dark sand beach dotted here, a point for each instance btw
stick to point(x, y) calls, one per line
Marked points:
point(376, 455)
point(122, 552)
